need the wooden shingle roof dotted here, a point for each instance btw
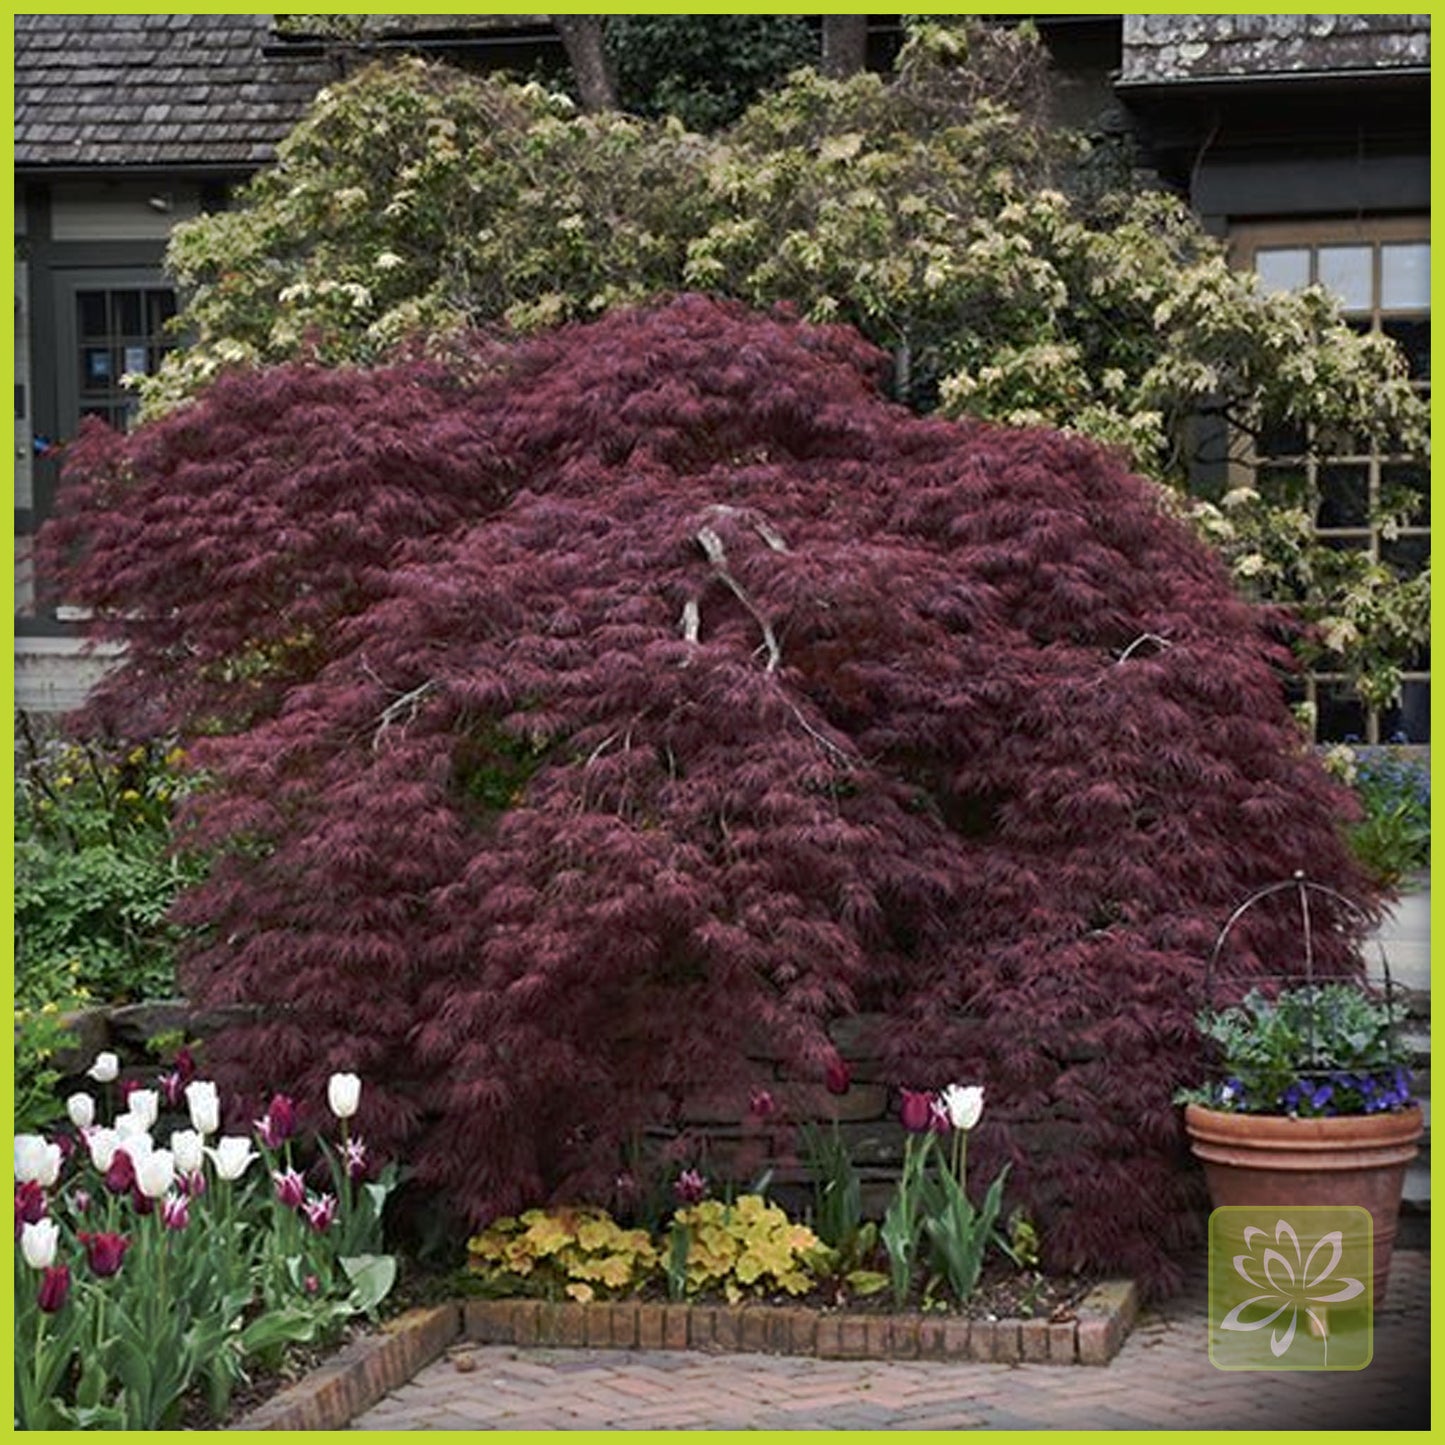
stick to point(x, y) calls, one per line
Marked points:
point(1174, 48)
point(156, 90)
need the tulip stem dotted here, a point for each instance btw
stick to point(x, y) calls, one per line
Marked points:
point(345, 1181)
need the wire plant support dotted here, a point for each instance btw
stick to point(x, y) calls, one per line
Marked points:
point(1304, 887)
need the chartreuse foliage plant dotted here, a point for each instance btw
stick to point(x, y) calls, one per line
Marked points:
point(934, 210)
point(580, 713)
point(746, 1246)
point(581, 1252)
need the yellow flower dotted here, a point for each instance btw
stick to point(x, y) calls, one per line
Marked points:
point(130, 796)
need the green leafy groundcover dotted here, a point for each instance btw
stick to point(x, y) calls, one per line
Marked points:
point(95, 872)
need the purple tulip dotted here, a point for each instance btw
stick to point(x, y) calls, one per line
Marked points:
point(761, 1104)
point(354, 1158)
point(690, 1187)
point(917, 1111)
point(104, 1252)
point(30, 1205)
point(120, 1177)
point(54, 1288)
point(320, 1210)
point(290, 1188)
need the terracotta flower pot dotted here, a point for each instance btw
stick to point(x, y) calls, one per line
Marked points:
point(1268, 1159)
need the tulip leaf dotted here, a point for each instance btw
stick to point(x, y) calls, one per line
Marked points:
point(371, 1276)
point(866, 1281)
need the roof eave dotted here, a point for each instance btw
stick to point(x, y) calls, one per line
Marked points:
point(1150, 89)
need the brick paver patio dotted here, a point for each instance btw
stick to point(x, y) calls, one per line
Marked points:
point(1162, 1379)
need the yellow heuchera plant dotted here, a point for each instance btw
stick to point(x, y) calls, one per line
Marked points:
point(580, 1252)
point(748, 1244)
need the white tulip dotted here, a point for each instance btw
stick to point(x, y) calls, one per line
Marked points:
point(102, 1144)
point(129, 1123)
point(155, 1174)
point(50, 1166)
point(35, 1160)
point(133, 1136)
point(205, 1106)
point(81, 1108)
point(187, 1148)
point(145, 1104)
point(105, 1069)
point(38, 1242)
point(343, 1094)
point(232, 1155)
point(964, 1104)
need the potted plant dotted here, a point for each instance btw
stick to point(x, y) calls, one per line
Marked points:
point(1309, 1104)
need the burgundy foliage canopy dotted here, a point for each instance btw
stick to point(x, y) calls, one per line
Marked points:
point(581, 712)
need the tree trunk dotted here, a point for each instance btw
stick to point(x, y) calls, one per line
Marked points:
point(582, 40)
point(845, 44)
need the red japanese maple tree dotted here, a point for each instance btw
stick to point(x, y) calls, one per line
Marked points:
point(579, 712)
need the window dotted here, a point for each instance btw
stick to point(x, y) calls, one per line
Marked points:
point(119, 332)
point(1380, 272)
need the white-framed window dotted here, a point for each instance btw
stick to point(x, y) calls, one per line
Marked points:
point(1379, 269)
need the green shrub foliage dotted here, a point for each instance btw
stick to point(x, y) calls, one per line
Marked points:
point(656, 684)
point(94, 870)
point(933, 210)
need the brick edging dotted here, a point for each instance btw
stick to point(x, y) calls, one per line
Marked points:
point(359, 1374)
point(1103, 1320)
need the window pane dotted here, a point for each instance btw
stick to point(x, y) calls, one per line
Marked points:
point(95, 366)
point(1409, 478)
point(1344, 496)
point(1405, 276)
point(1283, 269)
point(1412, 718)
point(126, 312)
point(1282, 440)
point(161, 306)
point(1341, 714)
point(1413, 338)
point(1346, 542)
point(1348, 272)
point(90, 307)
point(1407, 555)
point(1282, 485)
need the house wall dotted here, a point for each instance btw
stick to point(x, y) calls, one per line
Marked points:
point(120, 210)
point(69, 233)
point(24, 405)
